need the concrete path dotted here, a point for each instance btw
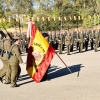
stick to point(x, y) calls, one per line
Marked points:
point(82, 84)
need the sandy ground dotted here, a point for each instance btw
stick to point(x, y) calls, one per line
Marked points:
point(82, 84)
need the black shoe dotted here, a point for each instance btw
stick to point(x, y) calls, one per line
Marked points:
point(68, 54)
point(1, 79)
point(7, 82)
point(60, 53)
point(14, 86)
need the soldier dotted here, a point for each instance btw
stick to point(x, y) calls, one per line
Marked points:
point(77, 40)
point(99, 37)
point(50, 38)
point(54, 40)
point(60, 43)
point(72, 42)
point(63, 41)
point(14, 60)
point(68, 43)
point(57, 42)
point(86, 40)
point(26, 45)
point(23, 45)
point(91, 36)
point(81, 38)
point(2, 36)
point(96, 39)
point(5, 46)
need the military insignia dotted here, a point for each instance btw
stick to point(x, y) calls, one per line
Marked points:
point(38, 56)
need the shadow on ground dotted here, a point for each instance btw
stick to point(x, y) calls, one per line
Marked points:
point(55, 71)
point(24, 78)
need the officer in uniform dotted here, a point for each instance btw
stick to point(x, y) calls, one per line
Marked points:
point(60, 43)
point(54, 40)
point(96, 39)
point(26, 46)
point(5, 46)
point(81, 38)
point(99, 37)
point(77, 40)
point(86, 41)
point(63, 42)
point(50, 38)
point(91, 36)
point(72, 42)
point(2, 36)
point(68, 43)
point(14, 60)
point(23, 44)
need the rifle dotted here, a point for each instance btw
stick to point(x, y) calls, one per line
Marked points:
point(8, 33)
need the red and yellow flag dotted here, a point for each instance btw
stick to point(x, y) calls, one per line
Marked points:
point(40, 53)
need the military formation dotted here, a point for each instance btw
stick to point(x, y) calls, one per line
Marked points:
point(13, 45)
point(69, 41)
point(11, 48)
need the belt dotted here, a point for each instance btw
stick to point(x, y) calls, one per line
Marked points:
point(13, 54)
point(6, 52)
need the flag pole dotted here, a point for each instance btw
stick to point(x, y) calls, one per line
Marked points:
point(64, 63)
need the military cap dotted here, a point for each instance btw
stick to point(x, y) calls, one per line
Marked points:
point(45, 34)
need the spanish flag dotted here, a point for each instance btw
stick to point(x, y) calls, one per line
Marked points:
point(40, 53)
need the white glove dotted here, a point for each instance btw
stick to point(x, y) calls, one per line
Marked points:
point(23, 63)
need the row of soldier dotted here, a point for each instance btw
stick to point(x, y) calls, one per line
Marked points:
point(69, 40)
point(77, 39)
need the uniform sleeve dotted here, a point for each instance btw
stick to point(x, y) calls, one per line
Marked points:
point(16, 49)
point(7, 45)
